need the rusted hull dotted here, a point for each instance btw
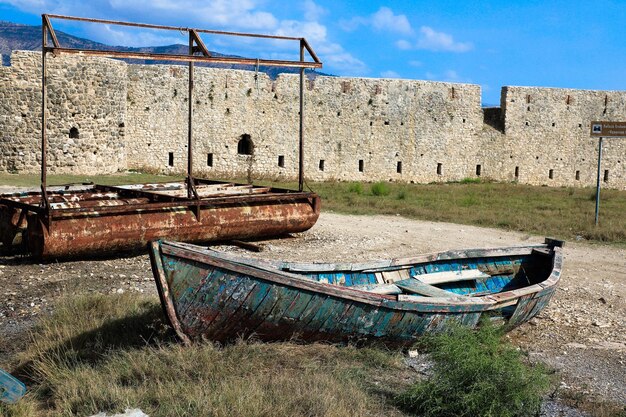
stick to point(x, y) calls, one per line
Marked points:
point(207, 294)
point(94, 233)
point(108, 219)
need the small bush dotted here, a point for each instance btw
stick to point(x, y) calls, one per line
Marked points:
point(476, 373)
point(380, 189)
point(402, 195)
point(468, 180)
point(356, 188)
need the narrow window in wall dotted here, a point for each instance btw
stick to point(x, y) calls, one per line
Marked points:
point(360, 165)
point(551, 174)
point(170, 159)
point(606, 175)
point(209, 159)
point(478, 170)
point(516, 172)
point(577, 175)
point(439, 166)
point(399, 167)
point(321, 165)
point(281, 161)
point(74, 133)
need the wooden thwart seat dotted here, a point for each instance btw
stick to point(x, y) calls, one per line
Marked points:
point(451, 276)
point(415, 286)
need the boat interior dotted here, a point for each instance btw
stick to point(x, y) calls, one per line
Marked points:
point(471, 277)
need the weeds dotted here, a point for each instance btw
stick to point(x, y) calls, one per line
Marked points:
point(380, 189)
point(591, 405)
point(356, 188)
point(107, 353)
point(476, 373)
point(565, 213)
point(468, 180)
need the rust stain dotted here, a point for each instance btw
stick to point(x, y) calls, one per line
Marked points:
point(86, 223)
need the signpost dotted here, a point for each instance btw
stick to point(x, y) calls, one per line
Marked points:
point(605, 130)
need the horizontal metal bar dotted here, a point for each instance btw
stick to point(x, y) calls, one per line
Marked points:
point(209, 202)
point(151, 26)
point(185, 58)
point(23, 206)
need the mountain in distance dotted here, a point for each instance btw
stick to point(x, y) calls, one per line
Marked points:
point(16, 36)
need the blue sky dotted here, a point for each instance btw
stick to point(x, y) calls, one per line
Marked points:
point(573, 44)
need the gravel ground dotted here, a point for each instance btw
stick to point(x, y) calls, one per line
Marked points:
point(582, 333)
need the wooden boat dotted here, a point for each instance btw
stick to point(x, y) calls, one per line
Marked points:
point(11, 389)
point(220, 296)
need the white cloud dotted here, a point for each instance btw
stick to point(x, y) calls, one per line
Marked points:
point(115, 35)
point(331, 54)
point(232, 15)
point(389, 74)
point(415, 63)
point(312, 11)
point(432, 40)
point(312, 31)
point(383, 20)
point(448, 76)
point(404, 44)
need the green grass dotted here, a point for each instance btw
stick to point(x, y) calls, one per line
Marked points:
point(565, 213)
point(112, 352)
point(477, 373)
point(34, 180)
point(107, 353)
point(380, 189)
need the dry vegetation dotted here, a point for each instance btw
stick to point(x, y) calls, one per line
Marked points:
point(107, 353)
point(566, 213)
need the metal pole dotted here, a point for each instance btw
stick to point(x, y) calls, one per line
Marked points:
point(44, 139)
point(301, 150)
point(598, 182)
point(190, 184)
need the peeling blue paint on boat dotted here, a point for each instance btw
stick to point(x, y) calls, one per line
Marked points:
point(221, 297)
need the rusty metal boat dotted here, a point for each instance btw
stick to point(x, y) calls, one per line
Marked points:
point(98, 219)
point(101, 219)
point(220, 296)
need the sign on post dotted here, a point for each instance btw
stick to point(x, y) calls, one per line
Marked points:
point(600, 129)
point(608, 129)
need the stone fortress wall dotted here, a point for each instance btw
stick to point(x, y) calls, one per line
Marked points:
point(106, 116)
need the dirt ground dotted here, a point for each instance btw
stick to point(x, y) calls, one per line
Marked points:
point(582, 333)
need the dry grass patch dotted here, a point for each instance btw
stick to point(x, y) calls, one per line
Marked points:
point(108, 353)
point(566, 213)
point(129, 177)
point(593, 406)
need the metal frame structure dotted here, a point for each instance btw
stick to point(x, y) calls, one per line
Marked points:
point(98, 219)
point(195, 46)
